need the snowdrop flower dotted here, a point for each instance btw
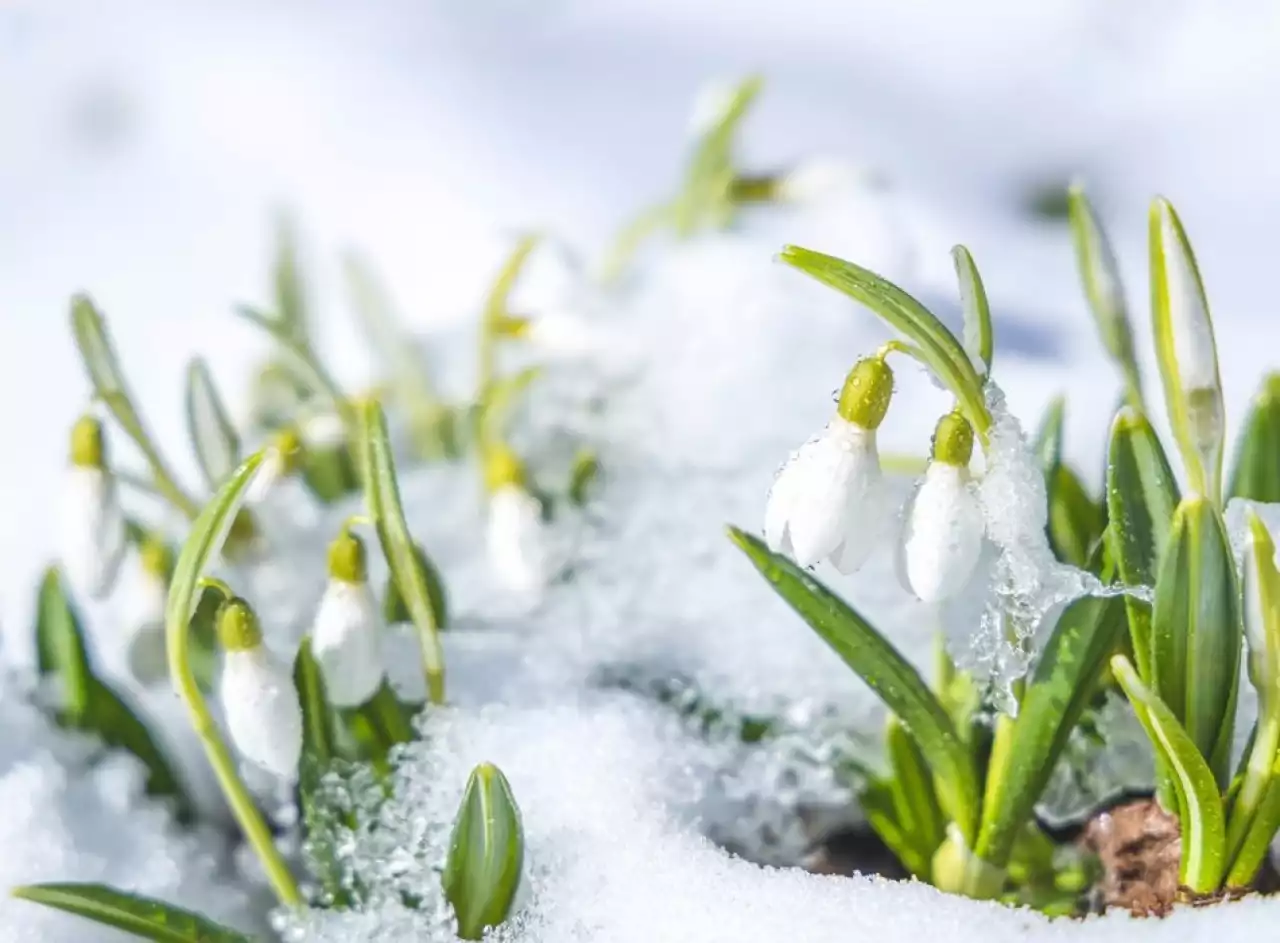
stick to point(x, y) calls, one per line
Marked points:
point(92, 525)
point(346, 638)
point(820, 177)
point(566, 335)
point(146, 644)
point(517, 544)
point(282, 461)
point(259, 700)
point(323, 431)
point(827, 501)
point(943, 530)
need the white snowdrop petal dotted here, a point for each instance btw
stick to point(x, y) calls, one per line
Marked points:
point(92, 531)
point(831, 472)
point(346, 643)
point(516, 542)
point(819, 177)
point(261, 707)
point(1188, 319)
point(323, 431)
point(942, 535)
point(777, 508)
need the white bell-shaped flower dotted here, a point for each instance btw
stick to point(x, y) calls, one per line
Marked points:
point(827, 501)
point(819, 178)
point(92, 527)
point(145, 645)
point(517, 544)
point(944, 525)
point(323, 430)
point(347, 636)
point(281, 461)
point(259, 700)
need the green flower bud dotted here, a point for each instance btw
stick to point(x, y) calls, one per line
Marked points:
point(347, 559)
point(867, 390)
point(502, 467)
point(238, 628)
point(953, 440)
point(88, 446)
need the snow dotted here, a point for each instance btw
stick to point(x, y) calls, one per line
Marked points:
point(150, 143)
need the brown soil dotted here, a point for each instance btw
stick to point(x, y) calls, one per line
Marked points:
point(856, 850)
point(1138, 845)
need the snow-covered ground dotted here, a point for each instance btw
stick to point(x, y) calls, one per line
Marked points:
point(146, 146)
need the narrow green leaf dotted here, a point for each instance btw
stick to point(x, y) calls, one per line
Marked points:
point(500, 400)
point(1076, 522)
point(938, 347)
point(1200, 807)
point(583, 475)
point(144, 917)
point(60, 649)
point(486, 854)
point(979, 338)
point(878, 806)
point(330, 473)
point(1048, 441)
point(394, 608)
point(1256, 474)
point(885, 671)
point(1260, 836)
point(286, 276)
point(1196, 630)
point(911, 786)
point(1186, 351)
point(103, 367)
point(382, 495)
point(1142, 494)
point(1100, 275)
point(631, 237)
point(208, 534)
point(213, 435)
point(1064, 679)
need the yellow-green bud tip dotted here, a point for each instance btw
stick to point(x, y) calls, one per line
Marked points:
point(238, 629)
point(156, 557)
point(502, 467)
point(88, 445)
point(867, 390)
point(288, 442)
point(953, 440)
point(347, 560)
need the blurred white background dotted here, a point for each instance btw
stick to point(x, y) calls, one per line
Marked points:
point(144, 147)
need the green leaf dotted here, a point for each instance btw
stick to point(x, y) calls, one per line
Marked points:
point(1186, 351)
point(885, 671)
point(1076, 522)
point(1065, 678)
point(213, 435)
point(60, 649)
point(1142, 494)
point(103, 367)
point(1048, 441)
point(394, 608)
point(979, 339)
point(709, 178)
point(499, 401)
point(1256, 474)
point(1103, 288)
point(938, 347)
point(915, 800)
point(382, 495)
point(1199, 804)
point(486, 854)
point(330, 473)
point(1260, 836)
point(585, 472)
point(290, 296)
point(1196, 630)
point(144, 917)
point(880, 810)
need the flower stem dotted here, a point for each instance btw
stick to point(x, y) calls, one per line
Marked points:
point(242, 805)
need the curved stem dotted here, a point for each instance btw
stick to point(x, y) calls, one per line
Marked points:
point(970, 401)
point(242, 805)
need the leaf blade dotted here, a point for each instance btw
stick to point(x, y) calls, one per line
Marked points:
point(144, 917)
point(884, 670)
point(979, 337)
point(213, 435)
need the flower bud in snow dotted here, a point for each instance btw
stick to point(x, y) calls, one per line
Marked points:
point(827, 501)
point(92, 524)
point(346, 638)
point(281, 462)
point(517, 545)
point(942, 533)
point(259, 700)
point(1261, 584)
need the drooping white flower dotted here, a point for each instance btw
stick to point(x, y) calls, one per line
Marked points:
point(827, 502)
point(145, 624)
point(259, 700)
point(92, 522)
point(819, 178)
point(323, 430)
point(943, 528)
point(346, 637)
point(281, 461)
point(517, 544)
